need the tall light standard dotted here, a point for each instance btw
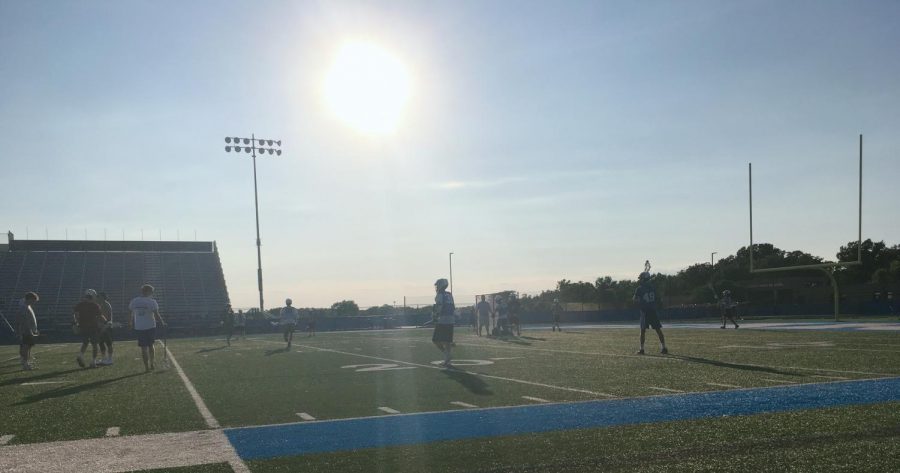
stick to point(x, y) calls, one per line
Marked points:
point(712, 256)
point(250, 147)
point(451, 272)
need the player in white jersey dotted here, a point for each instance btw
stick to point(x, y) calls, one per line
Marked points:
point(144, 315)
point(444, 318)
point(289, 317)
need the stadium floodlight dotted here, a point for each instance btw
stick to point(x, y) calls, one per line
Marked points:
point(252, 149)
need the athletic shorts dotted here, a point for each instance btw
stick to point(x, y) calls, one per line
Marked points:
point(649, 319)
point(514, 319)
point(289, 326)
point(729, 312)
point(90, 335)
point(106, 336)
point(146, 338)
point(443, 333)
point(484, 322)
point(28, 339)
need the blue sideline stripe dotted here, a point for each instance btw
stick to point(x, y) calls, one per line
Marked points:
point(254, 443)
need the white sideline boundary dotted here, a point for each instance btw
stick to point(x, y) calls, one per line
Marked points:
point(122, 454)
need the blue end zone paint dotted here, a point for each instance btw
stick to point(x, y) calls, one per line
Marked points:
point(256, 443)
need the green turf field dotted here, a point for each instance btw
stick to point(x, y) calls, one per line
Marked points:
point(364, 374)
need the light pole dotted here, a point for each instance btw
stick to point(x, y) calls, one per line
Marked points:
point(250, 147)
point(451, 272)
point(711, 258)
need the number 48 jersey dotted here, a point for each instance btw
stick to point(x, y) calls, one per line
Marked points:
point(646, 296)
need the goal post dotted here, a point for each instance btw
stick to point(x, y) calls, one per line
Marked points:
point(828, 267)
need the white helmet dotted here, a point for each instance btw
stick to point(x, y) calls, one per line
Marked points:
point(288, 301)
point(90, 293)
point(441, 284)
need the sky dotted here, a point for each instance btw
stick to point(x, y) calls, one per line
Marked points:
point(541, 140)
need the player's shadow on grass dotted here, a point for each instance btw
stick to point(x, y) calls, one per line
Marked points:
point(35, 378)
point(534, 338)
point(276, 351)
point(738, 366)
point(66, 391)
point(473, 383)
point(204, 350)
point(573, 331)
point(511, 339)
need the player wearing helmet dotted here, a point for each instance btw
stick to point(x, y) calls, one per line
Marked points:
point(727, 305)
point(88, 318)
point(646, 297)
point(557, 314)
point(289, 317)
point(443, 314)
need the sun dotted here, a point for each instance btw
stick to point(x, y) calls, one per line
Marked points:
point(367, 88)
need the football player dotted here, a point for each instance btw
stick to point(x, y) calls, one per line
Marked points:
point(646, 297)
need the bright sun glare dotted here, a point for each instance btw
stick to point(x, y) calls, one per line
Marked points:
point(368, 88)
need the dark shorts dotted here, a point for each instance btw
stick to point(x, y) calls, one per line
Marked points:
point(443, 333)
point(106, 336)
point(289, 326)
point(729, 312)
point(146, 338)
point(229, 329)
point(28, 339)
point(90, 335)
point(514, 319)
point(649, 319)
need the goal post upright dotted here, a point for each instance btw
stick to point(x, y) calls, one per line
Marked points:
point(829, 267)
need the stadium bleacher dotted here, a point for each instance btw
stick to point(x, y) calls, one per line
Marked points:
point(188, 277)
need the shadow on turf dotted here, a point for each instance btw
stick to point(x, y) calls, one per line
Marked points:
point(473, 383)
point(204, 350)
point(60, 392)
point(276, 351)
point(535, 338)
point(723, 364)
point(37, 377)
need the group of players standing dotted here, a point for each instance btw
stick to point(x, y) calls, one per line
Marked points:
point(92, 320)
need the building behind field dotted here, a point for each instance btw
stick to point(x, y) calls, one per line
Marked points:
point(190, 285)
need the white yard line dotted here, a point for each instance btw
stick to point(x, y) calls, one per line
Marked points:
point(36, 383)
point(232, 457)
point(112, 432)
point(463, 404)
point(773, 380)
point(535, 399)
point(657, 388)
point(388, 410)
point(211, 421)
point(520, 381)
point(305, 416)
point(826, 377)
point(4, 439)
point(723, 385)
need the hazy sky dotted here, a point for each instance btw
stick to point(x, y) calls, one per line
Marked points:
point(543, 140)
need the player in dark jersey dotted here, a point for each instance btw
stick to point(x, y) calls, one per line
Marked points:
point(557, 314)
point(647, 298)
point(727, 305)
point(228, 323)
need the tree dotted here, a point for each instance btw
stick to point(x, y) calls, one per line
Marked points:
point(345, 308)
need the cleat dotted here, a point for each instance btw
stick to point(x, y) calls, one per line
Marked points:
point(722, 327)
point(80, 361)
point(640, 352)
point(736, 326)
point(664, 351)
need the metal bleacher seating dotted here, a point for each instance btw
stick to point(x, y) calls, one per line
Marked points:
point(188, 278)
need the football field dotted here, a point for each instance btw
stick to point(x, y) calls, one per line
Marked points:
point(805, 397)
